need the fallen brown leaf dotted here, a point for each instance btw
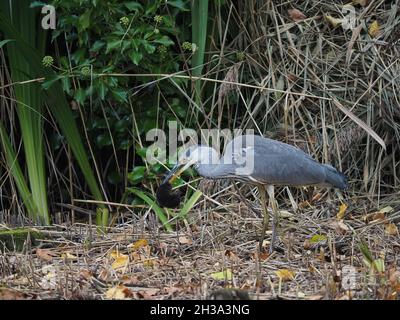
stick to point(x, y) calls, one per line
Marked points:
point(185, 240)
point(171, 290)
point(292, 77)
point(391, 229)
point(316, 197)
point(86, 274)
point(148, 293)
point(10, 294)
point(394, 277)
point(231, 255)
point(130, 280)
point(339, 226)
point(45, 254)
point(104, 275)
point(119, 293)
point(296, 15)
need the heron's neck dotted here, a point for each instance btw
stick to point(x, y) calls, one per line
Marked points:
point(213, 171)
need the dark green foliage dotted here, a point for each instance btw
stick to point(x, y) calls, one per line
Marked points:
point(114, 37)
point(101, 47)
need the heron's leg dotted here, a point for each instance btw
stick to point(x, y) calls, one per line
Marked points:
point(263, 199)
point(271, 194)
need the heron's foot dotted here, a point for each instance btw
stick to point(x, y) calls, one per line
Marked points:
point(271, 247)
point(261, 243)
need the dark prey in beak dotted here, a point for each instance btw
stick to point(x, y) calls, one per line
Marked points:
point(166, 197)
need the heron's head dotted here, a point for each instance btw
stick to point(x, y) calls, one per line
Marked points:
point(192, 156)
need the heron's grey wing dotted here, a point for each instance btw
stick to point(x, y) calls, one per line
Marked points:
point(276, 162)
point(287, 168)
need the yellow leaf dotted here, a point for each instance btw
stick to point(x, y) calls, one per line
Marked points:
point(318, 238)
point(118, 293)
point(223, 275)
point(374, 29)
point(138, 244)
point(114, 254)
point(68, 256)
point(386, 209)
point(391, 229)
point(148, 263)
point(342, 211)
point(285, 274)
point(121, 261)
point(362, 3)
point(348, 5)
point(334, 21)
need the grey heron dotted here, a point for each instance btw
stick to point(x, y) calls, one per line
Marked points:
point(258, 161)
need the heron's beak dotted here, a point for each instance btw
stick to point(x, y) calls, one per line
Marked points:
point(176, 171)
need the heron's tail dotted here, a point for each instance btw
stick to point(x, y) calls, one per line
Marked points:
point(335, 177)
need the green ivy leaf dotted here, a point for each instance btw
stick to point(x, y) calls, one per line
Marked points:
point(136, 57)
point(120, 95)
point(103, 140)
point(165, 41)
point(152, 7)
point(80, 96)
point(180, 4)
point(124, 144)
point(113, 44)
point(114, 178)
point(84, 21)
point(141, 152)
point(97, 46)
point(49, 82)
point(126, 44)
point(133, 6)
point(148, 47)
point(66, 84)
point(121, 126)
point(137, 174)
point(102, 88)
point(78, 56)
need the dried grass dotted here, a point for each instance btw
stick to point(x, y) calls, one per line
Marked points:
point(76, 263)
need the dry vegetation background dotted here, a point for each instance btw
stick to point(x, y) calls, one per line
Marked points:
point(338, 99)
